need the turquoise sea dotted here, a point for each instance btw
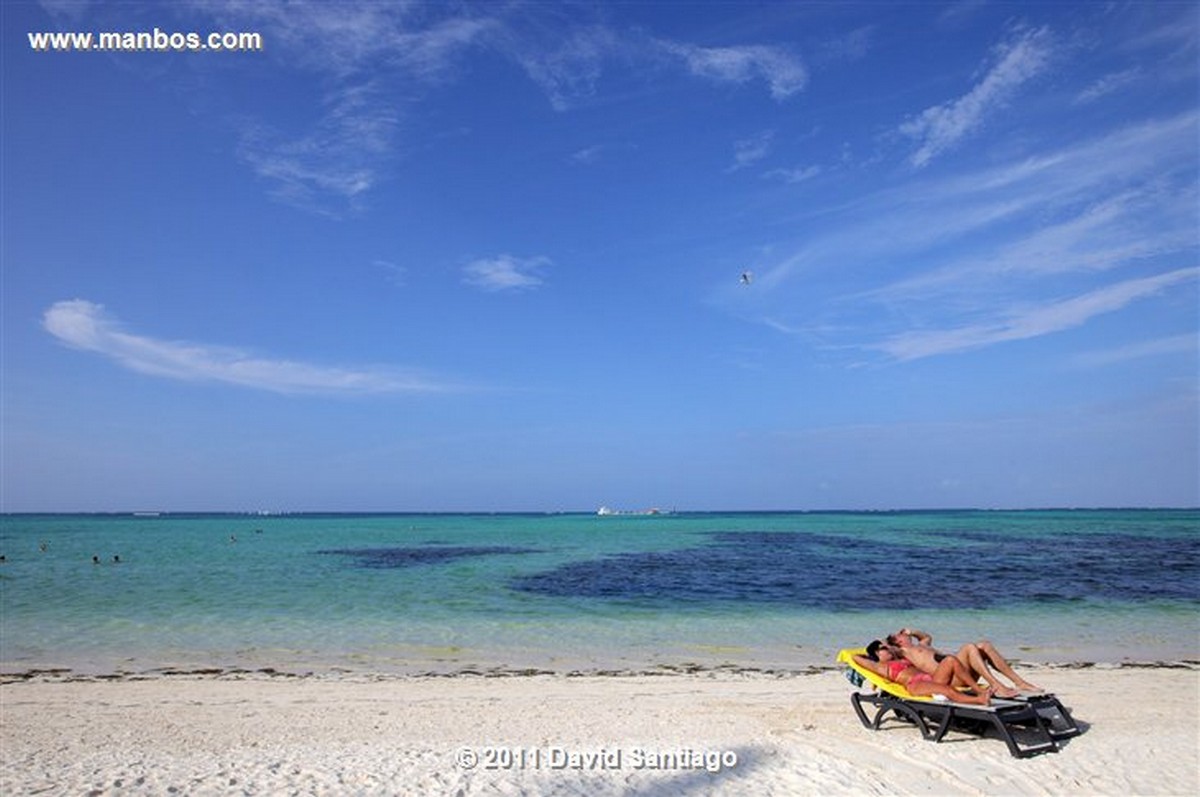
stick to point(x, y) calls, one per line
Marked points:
point(414, 593)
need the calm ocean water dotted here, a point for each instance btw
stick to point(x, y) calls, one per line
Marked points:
point(449, 593)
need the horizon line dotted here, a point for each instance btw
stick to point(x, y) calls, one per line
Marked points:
point(151, 514)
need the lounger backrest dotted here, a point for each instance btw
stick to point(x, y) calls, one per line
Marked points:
point(846, 657)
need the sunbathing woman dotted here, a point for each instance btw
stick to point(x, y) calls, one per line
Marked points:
point(917, 647)
point(884, 660)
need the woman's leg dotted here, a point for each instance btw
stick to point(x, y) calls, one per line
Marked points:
point(951, 672)
point(928, 688)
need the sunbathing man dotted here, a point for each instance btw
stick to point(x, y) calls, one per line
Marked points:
point(884, 660)
point(916, 646)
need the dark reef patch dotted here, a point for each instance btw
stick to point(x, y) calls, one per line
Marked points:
point(847, 573)
point(386, 558)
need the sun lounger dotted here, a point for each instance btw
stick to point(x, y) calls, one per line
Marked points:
point(1028, 725)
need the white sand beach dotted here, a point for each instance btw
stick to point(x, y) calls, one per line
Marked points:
point(701, 733)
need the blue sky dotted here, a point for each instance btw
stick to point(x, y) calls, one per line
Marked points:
point(488, 256)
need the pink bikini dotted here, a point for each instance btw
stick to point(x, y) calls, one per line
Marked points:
point(897, 666)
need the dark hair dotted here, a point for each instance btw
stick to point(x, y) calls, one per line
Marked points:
point(892, 639)
point(873, 650)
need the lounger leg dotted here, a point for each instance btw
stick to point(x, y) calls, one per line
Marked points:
point(1007, 736)
point(1055, 715)
point(856, 701)
point(884, 705)
point(1044, 744)
point(944, 725)
point(901, 710)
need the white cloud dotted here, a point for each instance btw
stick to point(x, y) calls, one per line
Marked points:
point(396, 274)
point(752, 149)
point(1096, 205)
point(798, 175)
point(339, 158)
point(784, 73)
point(337, 161)
point(1176, 34)
point(84, 325)
point(359, 52)
point(1035, 321)
point(588, 154)
point(69, 9)
point(1175, 344)
point(340, 39)
point(569, 66)
point(569, 70)
point(939, 128)
point(939, 265)
point(504, 273)
point(1117, 230)
point(851, 47)
point(1108, 84)
point(957, 15)
point(432, 53)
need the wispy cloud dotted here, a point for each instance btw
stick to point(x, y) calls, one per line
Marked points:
point(1116, 230)
point(1033, 322)
point(340, 158)
point(1108, 84)
point(751, 149)
point(852, 46)
point(956, 15)
point(591, 155)
point(797, 175)
point(396, 274)
point(588, 154)
point(1175, 344)
point(1095, 205)
point(85, 325)
point(941, 127)
point(359, 53)
point(331, 166)
point(568, 70)
point(505, 273)
point(569, 65)
point(946, 260)
point(1175, 34)
point(784, 72)
point(341, 39)
point(69, 9)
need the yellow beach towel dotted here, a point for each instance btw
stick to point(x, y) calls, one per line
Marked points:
point(846, 657)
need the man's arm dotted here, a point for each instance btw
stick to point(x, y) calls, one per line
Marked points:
point(917, 634)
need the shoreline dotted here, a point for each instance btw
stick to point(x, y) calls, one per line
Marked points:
point(705, 733)
point(414, 660)
point(335, 674)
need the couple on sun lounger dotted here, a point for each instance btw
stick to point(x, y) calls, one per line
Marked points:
point(909, 658)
